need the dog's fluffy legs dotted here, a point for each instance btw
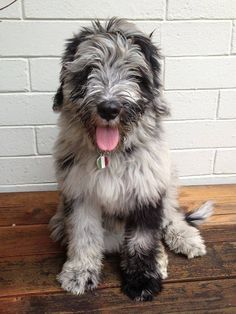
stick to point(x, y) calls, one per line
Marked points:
point(179, 235)
point(162, 261)
point(113, 243)
point(142, 253)
point(85, 248)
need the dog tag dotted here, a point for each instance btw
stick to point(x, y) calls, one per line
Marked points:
point(102, 162)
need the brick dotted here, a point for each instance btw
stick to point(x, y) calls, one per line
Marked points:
point(47, 38)
point(23, 170)
point(234, 38)
point(149, 27)
point(198, 72)
point(11, 12)
point(225, 161)
point(14, 75)
point(74, 9)
point(227, 109)
point(37, 38)
point(195, 38)
point(185, 161)
point(46, 137)
point(26, 109)
point(45, 74)
point(201, 134)
point(201, 9)
point(199, 104)
point(17, 141)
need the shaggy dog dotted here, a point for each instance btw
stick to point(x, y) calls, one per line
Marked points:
point(118, 189)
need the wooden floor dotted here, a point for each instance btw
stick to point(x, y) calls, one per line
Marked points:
point(29, 262)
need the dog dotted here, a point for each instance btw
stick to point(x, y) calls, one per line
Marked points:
point(118, 187)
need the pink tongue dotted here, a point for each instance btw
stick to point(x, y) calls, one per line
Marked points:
point(107, 138)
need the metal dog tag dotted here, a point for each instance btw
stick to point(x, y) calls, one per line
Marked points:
point(102, 162)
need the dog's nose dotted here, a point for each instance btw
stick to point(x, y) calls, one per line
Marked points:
point(108, 110)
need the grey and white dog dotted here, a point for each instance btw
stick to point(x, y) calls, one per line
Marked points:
point(111, 113)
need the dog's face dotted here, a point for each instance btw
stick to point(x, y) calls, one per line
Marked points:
point(109, 79)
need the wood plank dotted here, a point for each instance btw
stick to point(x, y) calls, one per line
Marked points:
point(27, 207)
point(29, 240)
point(229, 219)
point(26, 240)
point(37, 274)
point(190, 297)
point(199, 192)
point(37, 207)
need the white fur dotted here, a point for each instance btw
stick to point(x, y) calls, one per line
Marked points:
point(162, 261)
point(142, 178)
point(178, 234)
point(85, 249)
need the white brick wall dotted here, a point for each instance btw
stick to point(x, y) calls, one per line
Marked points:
point(198, 41)
point(14, 75)
point(44, 74)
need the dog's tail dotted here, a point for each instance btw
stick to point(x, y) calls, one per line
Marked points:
point(197, 217)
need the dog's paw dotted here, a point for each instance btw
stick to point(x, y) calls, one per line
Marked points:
point(194, 248)
point(77, 280)
point(185, 240)
point(192, 244)
point(141, 287)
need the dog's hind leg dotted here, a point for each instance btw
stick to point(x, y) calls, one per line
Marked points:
point(179, 232)
point(162, 261)
point(57, 223)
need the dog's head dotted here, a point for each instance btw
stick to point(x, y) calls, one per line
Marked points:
point(109, 79)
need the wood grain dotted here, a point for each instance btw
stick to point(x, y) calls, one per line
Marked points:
point(37, 207)
point(34, 240)
point(19, 274)
point(27, 208)
point(184, 297)
point(26, 240)
point(30, 261)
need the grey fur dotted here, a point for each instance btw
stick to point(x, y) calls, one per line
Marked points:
point(116, 62)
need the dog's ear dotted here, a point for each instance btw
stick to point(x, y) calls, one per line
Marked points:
point(68, 57)
point(151, 55)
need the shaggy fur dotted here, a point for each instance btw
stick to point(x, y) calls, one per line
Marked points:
point(131, 205)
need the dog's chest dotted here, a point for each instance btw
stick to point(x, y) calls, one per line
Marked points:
point(119, 186)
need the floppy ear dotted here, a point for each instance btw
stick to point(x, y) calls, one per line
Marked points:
point(151, 55)
point(68, 56)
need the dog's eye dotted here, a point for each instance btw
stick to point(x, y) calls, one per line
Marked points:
point(79, 82)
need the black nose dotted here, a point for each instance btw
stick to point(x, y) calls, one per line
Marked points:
point(109, 109)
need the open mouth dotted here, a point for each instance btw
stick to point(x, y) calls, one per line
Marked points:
point(107, 138)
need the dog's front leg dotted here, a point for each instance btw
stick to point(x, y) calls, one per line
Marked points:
point(142, 253)
point(85, 247)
